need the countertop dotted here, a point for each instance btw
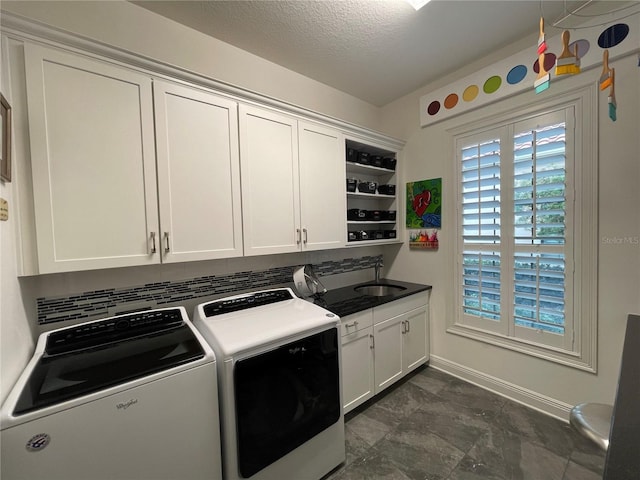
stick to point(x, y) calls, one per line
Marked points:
point(346, 300)
point(623, 460)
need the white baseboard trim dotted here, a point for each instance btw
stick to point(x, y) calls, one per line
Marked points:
point(526, 397)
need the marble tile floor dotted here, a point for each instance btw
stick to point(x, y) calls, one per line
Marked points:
point(432, 426)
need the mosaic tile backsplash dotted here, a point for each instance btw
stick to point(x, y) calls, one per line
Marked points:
point(100, 303)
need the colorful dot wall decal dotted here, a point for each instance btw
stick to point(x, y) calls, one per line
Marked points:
point(451, 101)
point(492, 84)
point(583, 47)
point(433, 108)
point(549, 63)
point(516, 74)
point(614, 35)
point(470, 93)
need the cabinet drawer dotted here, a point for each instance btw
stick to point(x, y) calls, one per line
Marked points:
point(398, 307)
point(357, 321)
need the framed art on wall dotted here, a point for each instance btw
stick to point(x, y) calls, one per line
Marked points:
point(5, 139)
point(424, 204)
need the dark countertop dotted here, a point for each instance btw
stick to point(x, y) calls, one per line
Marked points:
point(623, 455)
point(346, 300)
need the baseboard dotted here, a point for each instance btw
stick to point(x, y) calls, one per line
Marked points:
point(528, 398)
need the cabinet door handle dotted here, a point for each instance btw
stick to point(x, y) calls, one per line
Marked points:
point(298, 236)
point(153, 242)
point(404, 327)
point(408, 326)
point(373, 342)
point(166, 242)
point(304, 230)
point(348, 326)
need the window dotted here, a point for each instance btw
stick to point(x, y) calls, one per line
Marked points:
point(522, 262)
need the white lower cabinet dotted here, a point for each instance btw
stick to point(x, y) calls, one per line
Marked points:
point(381, 345)
point(388, 356)
point(357, 359)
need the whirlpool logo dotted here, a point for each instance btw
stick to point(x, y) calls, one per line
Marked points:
point(38, 442)
point(127, 404)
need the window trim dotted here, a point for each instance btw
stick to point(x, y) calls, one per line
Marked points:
point(584, 99)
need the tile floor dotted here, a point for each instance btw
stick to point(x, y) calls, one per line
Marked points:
point(432, 426)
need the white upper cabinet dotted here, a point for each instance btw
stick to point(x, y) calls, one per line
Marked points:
point(269, 166)
point(322, 200)
point(291, 184)
point(130, 167)
point(93, 165)
point(198, 174)
point(101, 197)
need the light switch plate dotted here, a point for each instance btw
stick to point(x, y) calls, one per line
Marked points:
point(4, 210)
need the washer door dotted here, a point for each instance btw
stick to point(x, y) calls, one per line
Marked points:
point(284, 397)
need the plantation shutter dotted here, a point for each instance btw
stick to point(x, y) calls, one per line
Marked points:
point(514, 222)
point(526, 189)
point(481, 230)
point(481, 192)
point(539, 186)
point(539, 265)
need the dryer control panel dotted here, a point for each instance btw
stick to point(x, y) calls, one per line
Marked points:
point(249, 300)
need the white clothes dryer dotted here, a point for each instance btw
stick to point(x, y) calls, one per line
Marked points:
point(279, 382)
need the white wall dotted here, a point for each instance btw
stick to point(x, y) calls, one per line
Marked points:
point(429, 154)
point(132, 28)
point(16, 339)
point(129, 27)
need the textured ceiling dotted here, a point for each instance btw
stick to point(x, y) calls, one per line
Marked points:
point(376, 50)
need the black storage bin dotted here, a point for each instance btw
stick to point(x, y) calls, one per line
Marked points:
point(364, 158)
point(389, 163)
point(356, 214)
point(352, 184)
point(388, 215)
point(376, 160)
point(387, 189)
point(367, 187)
point(373, 215)
point(352, 155)
point(352, 236)
point(376, 235)
point(389, 234)
point(362, 235)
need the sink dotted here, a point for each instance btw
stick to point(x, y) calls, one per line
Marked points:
point(379, 289)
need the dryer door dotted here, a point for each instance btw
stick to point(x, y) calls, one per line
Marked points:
point(284, 397)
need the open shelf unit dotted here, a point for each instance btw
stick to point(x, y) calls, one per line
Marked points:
point(372, 217)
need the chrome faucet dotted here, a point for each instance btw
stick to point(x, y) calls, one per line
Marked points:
point(377, 269)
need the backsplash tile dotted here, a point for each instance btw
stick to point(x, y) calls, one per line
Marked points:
point(103, 303)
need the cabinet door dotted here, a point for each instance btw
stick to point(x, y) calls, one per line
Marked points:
point(388, 352)
point(416, 339)
point(322, 200)
point(270, 185)
point(93, 165)
point(357, 368)
point(198, 174)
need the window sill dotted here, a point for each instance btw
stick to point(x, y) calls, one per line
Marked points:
point(562, 357)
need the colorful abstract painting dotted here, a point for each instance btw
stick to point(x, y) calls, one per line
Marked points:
point(424, 204)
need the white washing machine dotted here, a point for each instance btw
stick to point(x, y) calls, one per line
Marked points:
point(127, 397)
point(279, 383)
